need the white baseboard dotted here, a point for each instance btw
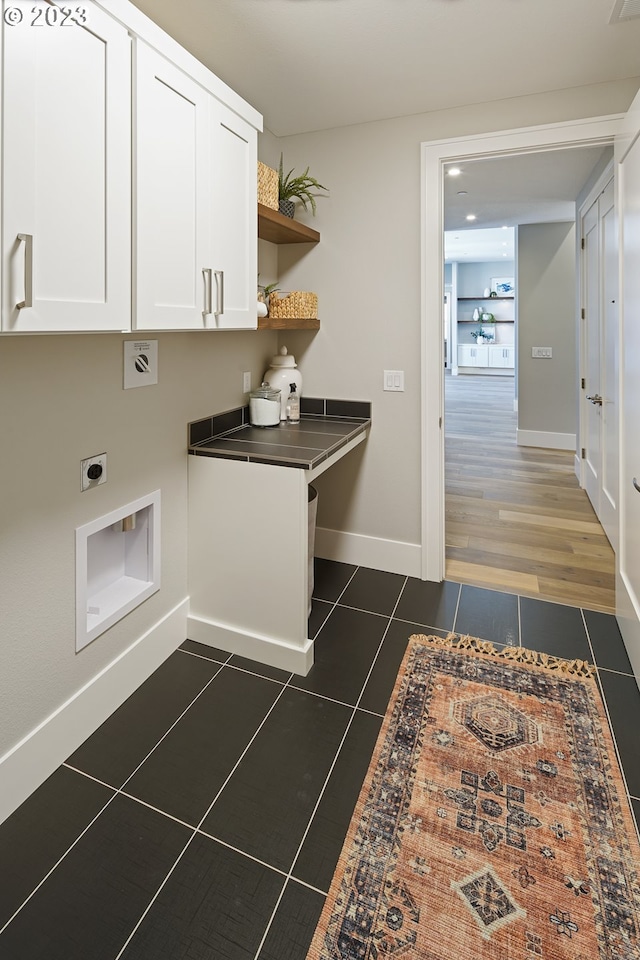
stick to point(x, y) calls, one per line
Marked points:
point(30, 762)
point(394, 556)
point(577, 466)
point(267, 650)
point(542, 438)
point(628, 617)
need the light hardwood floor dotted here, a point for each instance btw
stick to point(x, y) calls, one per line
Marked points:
point(516, 518)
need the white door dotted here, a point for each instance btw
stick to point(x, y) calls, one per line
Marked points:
point(628, 558)
point(591, 307)
point(610, 368)
point(66, 248)
point(600, 344)
point(234, 220)
point(172, 197)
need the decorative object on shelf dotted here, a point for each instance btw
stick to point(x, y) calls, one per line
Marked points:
point(300, 188)
point(264, 293)
point(503, 286)
point(282, 374)
point(267, 186)
point(475, 316)
point(482, 336)
point(486, 317)
point(487, 292)
point(298, 304)
point(493, 294)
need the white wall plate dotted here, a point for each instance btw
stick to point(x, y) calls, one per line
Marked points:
point(140, 363)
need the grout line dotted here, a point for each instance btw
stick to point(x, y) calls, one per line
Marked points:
point(519, 621)
point(199, 825)
point(89, 776)
point(58, 862)
point(619, 673)
point(455, 615)
point(201, 656)
point(610, 723)
point(117, 791)
point(329, 774)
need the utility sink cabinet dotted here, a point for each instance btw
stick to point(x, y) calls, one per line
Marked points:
point(248, 535)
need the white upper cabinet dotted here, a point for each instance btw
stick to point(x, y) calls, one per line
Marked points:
point(66, 249)
point(75, 80)
point(173, 196)
point(196, 204)
point(234, 220)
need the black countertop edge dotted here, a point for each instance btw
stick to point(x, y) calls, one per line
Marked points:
point(219, 424)
point(302, 461)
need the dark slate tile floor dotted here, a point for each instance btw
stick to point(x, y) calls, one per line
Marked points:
point(204, 819)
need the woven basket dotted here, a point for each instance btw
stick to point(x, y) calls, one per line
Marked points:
point(296, 305)
point(267, 186)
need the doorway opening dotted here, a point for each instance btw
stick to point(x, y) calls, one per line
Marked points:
point(515, 516)
point(595, 133)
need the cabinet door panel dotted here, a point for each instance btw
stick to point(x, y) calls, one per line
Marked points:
point(234, 223)
point(172, 195)
point(66, 174)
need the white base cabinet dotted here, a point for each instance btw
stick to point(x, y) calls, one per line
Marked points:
point(486, 356)
point(473, 356)
point(500, 356)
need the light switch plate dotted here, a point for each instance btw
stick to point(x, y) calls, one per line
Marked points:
point(542, 353)
point(394, 380)
point(140, 363)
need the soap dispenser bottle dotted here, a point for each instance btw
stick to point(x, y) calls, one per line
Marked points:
point(293, 405)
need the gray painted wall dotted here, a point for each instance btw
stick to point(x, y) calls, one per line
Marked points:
point(547, 318)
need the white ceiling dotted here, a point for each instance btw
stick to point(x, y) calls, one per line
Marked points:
point(310, 65)
point(314, 64)
point(507, 191)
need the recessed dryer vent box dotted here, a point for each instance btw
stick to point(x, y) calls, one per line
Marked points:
point(140, 363)
point(117, 565)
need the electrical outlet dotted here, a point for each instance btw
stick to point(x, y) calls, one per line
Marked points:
point(246, 381)
point(93, 471)
point(542, 353)
point(394, 380)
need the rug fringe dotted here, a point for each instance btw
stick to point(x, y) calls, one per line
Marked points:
point(569, 668)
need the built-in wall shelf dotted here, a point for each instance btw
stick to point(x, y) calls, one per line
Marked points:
point(490, 299)
point(486, 322)
point(286, 323)
point(276, 228)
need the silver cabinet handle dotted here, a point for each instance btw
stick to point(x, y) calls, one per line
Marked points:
point(596, 399)
point(219, 275)
point(206, 273)
point(28, 270)
point(636, 484)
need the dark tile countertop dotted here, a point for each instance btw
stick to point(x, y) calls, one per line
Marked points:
point(325, 427)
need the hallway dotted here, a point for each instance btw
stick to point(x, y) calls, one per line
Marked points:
point(516, 518)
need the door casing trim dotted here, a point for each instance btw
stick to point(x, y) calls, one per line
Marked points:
point(434, 154)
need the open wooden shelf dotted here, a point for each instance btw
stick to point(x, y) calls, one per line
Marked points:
point(486, 298)
point(285, 323)
point(276, 228)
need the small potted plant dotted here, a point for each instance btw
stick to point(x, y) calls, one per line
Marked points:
point(291, 188)
point(482, 336)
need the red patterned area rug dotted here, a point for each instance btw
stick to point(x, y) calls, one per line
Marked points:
point(493, 822)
